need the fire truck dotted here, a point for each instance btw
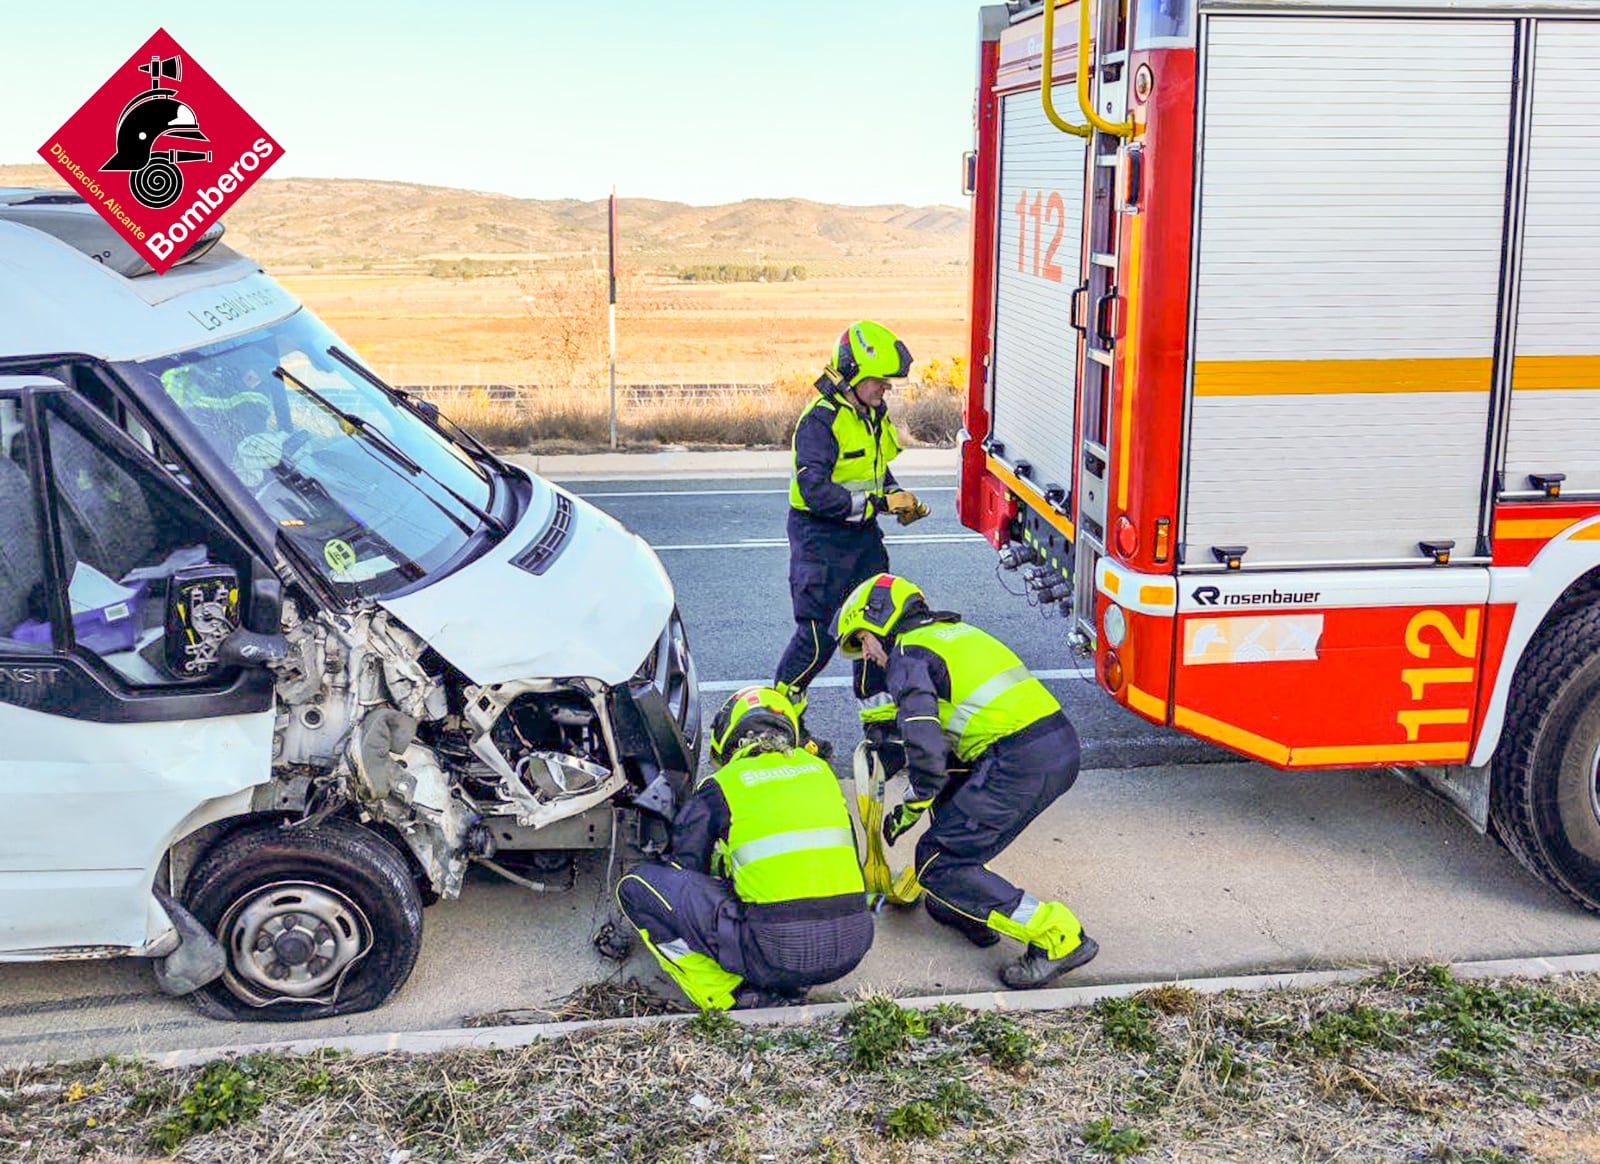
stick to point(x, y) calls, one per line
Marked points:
point(1285, 380)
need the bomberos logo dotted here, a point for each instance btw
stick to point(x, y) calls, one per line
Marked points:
point(157, 186)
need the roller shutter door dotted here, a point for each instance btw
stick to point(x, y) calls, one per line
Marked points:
point(1039, 262)
point(1555, 400)
point(1351, 215)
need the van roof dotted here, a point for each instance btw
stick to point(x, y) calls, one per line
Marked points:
point(70, 283)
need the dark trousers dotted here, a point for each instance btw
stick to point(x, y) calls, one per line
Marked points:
point(974, 821)
point(827, 560)
point(774, 947)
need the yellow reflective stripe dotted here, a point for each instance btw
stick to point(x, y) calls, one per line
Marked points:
point(983, 695)
point(798, 841)
point(1317, 377)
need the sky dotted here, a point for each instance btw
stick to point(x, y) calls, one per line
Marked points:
point(699, 101)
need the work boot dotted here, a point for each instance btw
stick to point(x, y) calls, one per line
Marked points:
point(749, 997)
point(1035, 968)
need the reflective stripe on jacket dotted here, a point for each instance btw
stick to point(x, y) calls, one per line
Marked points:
point(789, 836)
point(839, 447)
point(992, 695)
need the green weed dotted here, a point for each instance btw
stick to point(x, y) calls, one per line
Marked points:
point(1103, 1136)
point(1338, 1032)
point(1000, 1038)
point(1127, 1023)
point(222, 1094)
point(877, 1031)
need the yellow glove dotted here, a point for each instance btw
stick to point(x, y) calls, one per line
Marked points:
point(905, 506)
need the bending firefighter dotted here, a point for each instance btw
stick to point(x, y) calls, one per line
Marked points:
point(763, 897)
point(843, 444)
point(988, 749)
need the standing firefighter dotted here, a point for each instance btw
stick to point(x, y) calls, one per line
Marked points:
point(843, 444)
point(764, 896)
point(988, 748)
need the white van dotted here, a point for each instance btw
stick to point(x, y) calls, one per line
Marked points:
point(281, 651)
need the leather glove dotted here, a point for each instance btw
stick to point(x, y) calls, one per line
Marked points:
point(905, 506)
point(904, 817)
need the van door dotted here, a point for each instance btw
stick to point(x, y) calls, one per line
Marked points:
point(118, 738)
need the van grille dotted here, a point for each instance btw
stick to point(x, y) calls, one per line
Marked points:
point(547, 546)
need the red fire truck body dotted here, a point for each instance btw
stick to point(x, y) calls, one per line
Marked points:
point(1285, 380)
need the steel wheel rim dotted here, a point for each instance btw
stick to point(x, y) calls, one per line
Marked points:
point(1594, 783)
point(292, 940)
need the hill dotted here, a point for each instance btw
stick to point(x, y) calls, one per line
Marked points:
point(295, 222)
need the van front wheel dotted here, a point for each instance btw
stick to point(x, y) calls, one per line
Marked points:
point(1545, 800)
point(315, 922)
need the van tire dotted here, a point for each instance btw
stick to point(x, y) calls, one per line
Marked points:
point(343, 891)
point(1544, 800)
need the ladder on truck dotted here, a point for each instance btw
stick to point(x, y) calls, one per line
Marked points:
point(1097, 308)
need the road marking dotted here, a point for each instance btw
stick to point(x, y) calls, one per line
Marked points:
point(775, 543)
point(727, 492)
point(845, 681)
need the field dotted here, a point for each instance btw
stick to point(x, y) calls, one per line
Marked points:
point(418, 329)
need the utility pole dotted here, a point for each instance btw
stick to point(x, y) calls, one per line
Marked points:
point(611, 306)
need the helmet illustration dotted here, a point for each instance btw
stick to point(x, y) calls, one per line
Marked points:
point(869, 350)
point(154, 114)
point(754, 711)
point(877, 605)
point(151, 115)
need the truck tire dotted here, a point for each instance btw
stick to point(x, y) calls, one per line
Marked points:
point(1545, 798)
point(315, 922)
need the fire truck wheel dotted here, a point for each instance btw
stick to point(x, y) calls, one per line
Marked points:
point(1545, 800)
point(317, 921)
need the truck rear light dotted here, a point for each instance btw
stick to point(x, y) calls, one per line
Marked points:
point(1111, 673)
point(1163, 538)
point(1127, 537)
point(1115, 623)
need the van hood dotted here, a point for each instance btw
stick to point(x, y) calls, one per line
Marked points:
point(567, 593)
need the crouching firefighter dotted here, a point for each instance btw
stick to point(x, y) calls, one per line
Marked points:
point(763, 895)
point(843, 444)
point(987, 748)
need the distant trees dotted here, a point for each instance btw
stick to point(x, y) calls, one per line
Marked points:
point(741, 273)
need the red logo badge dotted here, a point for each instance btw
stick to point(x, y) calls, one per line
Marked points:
point(161, 151)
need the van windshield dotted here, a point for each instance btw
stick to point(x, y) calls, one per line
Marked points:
point(374, 497)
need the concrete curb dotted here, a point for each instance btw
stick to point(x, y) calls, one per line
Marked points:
point(685, 465)
point(503, 1038)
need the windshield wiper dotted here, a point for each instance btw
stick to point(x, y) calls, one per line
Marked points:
point(395, 453)
point(429, 415)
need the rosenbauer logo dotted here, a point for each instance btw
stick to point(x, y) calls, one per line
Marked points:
point(161, 151)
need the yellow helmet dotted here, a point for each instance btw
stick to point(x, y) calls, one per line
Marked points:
point(877, 605)
point(869, 350)
point(751, 712)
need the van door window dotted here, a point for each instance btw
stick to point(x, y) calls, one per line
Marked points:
point(153, 583)
point(24, 610)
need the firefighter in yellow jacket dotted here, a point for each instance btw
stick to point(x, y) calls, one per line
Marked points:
point(987, 748)
point(763, 897)
point(843, 444)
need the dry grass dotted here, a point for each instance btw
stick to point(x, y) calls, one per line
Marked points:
point(550, 419)
point(1410, 1067)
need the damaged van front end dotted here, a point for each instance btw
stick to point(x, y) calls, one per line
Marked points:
point(299, 652)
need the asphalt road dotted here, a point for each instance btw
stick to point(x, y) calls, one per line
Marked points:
point(723, 543)
point(1179, 869)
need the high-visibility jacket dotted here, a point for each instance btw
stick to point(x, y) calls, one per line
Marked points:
point(789, 835)
point(866, 445)
point(992, 695)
